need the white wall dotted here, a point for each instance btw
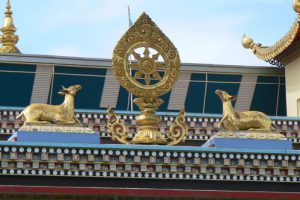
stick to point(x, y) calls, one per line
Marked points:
point(292, 76)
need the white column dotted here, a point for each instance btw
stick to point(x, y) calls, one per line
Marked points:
point(292, 81)
point(179, 92)
point(246, 92)
point(42, 83)
point(110, 90)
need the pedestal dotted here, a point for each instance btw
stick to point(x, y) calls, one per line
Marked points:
point(56, 134)
point(248, 143)
point(249, 140)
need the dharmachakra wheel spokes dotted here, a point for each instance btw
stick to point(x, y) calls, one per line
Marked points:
point(147, 64)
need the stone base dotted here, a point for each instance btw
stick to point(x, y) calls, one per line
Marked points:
point(55, 134)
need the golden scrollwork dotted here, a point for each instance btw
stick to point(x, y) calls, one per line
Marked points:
point(178, 131)
point(115, 127)
point(146, 63)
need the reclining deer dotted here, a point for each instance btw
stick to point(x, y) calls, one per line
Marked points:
point(57, 114)
point(248, 120)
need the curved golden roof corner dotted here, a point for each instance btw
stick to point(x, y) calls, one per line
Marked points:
point(283, 51)
point(9, 39)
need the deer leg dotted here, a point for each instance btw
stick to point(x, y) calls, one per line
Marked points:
point(77, 120)
point(221, 122)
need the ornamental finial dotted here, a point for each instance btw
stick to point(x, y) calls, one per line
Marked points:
point(9, 39)
point(296, 6)
point(247, 42)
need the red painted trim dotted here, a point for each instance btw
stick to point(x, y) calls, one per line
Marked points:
point(51, 190)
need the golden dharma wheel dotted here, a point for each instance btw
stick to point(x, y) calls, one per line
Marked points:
point(145, 61)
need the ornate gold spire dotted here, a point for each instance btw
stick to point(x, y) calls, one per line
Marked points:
point(9, 39)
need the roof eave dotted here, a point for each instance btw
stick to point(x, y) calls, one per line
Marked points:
point(273, 54)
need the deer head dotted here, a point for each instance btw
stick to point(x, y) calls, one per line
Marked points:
point(224, 96)
point(72, 90)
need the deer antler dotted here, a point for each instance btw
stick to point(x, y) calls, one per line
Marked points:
point(63, 88)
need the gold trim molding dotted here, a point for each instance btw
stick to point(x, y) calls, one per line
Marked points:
point(259, 135)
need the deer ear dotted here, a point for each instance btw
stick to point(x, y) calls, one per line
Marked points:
point(61, 93)
point(232, 98)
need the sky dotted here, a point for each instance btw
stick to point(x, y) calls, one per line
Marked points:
point(204, 31)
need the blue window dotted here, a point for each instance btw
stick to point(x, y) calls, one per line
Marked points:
point(282, 101)
point(265, 98)
point(16, 88)
point(224, 78)
point(195, 97)
point(17, 67)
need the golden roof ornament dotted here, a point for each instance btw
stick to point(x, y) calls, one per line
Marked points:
point(152, 72)
point(283, 51)
point(296, 6)
point(9, 39)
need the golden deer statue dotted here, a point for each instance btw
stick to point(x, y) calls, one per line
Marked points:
point(248, 120)
point(56, 114)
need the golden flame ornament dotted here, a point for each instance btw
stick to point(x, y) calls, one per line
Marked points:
point(147, 64)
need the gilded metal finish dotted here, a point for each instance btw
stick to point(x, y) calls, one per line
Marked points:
point(149, 133)
point(249, 120)
point(56, 128)
point(116, 128)
point(178, 132)
point(9, 39)
point(250, 135)
point(272, 53)
point(152, 73)
point(145, 36)
point(269, 52)
point(296, 6)
point(36, 114)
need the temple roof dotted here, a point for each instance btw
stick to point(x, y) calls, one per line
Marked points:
point(283, 51)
